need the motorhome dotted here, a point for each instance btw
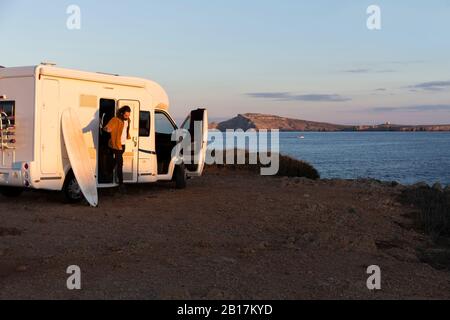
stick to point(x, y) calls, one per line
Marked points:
point(39, 150)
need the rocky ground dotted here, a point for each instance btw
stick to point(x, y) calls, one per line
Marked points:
point(230, 235)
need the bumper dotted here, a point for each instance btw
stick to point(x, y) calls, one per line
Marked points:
point(19, 176)
point(11, 178)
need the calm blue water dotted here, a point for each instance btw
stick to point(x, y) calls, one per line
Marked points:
point(389, 156)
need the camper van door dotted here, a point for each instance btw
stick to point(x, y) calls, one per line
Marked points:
point(130, 157)
point(197, 125)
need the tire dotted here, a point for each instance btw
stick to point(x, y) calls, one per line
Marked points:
point(11, 192)
point(71, 189)
point(180, 177)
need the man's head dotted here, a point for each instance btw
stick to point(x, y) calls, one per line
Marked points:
point(124, 113)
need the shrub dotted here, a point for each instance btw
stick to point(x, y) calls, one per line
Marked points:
point(434, 209)
point(289, 167)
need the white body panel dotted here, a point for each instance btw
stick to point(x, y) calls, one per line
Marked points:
point(41, 93)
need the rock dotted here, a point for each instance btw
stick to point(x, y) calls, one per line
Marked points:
point(300, 180)
point(309, 237)
point(175, 294)
point(290, 243)
point(227, 260)
point(438, 187)
point(218, 294)
point(247, 251)
point(263, 245)
point(421, 185)
point(10, 232)
point(22, 268)
point(263, 121)
point(394, 184)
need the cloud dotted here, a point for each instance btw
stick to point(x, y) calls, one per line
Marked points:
point(386, 71)
point(406, 62)
point(288, 96)
point(414, 108)
point(366, 71)
point(357, 71)
point(431, 86)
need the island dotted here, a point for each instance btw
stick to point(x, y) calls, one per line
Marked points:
point(259, 121)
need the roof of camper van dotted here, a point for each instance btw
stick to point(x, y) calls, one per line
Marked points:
point(159, 94)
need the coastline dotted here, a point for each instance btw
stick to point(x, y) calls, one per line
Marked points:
point(256, 121)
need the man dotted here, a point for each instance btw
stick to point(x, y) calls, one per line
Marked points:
point(119, 128)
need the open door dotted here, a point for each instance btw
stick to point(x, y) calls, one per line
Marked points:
point(197, 125)
point(130, 157)
point(105, 156)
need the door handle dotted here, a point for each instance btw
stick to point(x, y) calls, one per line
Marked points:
point(135, 140)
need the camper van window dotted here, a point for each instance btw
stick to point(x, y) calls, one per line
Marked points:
point(163, 125)
point(7, 111)
point(144, 124)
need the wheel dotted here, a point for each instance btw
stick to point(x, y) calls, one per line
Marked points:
point(71, 189)
point(11, 192)
point(180, 177)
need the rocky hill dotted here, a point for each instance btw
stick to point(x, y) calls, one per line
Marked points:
point(262, 121)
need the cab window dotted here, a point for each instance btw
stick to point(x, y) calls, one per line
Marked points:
point(163, 125)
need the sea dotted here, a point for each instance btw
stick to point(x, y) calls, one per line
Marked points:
point(405, 157)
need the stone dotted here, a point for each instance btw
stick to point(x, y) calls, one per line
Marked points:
point(22, 268)
point(438, 187)
point(263, 245)
point(218, 294)
point(309, 237)
point(394, 184)
point(227, 260)
point(421, 185)
point(175, 294)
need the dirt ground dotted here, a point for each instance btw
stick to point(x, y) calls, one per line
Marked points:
point(230, 235)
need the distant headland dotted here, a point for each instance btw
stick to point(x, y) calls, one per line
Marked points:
point(258, 121)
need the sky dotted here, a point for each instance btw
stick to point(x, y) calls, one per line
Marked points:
point(314, 60)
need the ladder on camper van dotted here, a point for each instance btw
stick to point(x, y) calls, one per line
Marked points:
point(7, 134)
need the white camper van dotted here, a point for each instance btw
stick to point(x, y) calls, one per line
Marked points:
point(44, 146)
